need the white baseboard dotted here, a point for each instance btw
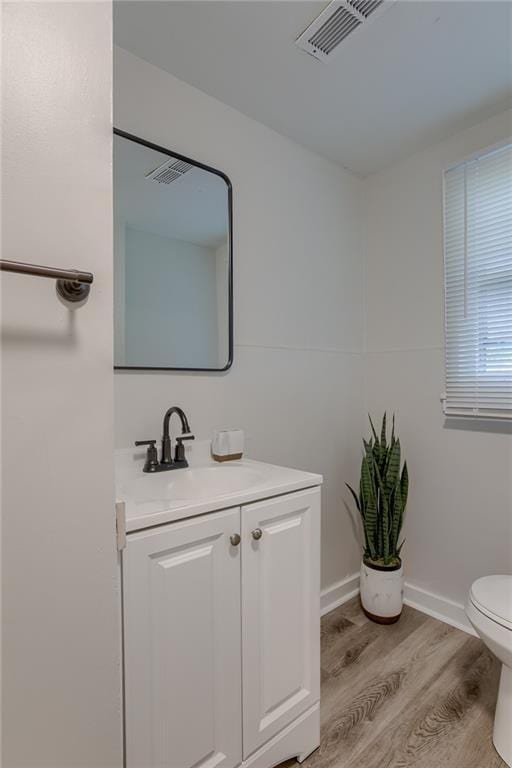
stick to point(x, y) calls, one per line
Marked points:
point(441, 608)
point(339, 593)
point(438, 607)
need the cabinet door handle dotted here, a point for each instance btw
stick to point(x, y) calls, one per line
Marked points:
point(257, 534)
point(234, 539)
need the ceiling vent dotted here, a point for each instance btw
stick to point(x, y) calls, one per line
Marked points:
point(336, 22)
point(171, 170)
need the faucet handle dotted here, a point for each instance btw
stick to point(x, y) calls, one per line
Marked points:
point(151, 462)
point(179, 451)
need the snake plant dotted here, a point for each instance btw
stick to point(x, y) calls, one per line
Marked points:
point(382, 497)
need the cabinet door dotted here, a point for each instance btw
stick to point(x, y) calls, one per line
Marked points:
point(280, 613)
point(181, 585)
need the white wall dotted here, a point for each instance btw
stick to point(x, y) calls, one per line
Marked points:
point(170, 301)
point(60, 628)
point(119, 289)
point(295, 385)
point(459, 524)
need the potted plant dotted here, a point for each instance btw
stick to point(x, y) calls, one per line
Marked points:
point(381, 503)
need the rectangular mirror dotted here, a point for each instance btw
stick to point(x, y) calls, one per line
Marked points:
point(173, 300)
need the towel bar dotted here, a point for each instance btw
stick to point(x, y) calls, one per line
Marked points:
point(72, 284)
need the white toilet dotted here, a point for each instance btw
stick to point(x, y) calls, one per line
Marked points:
point(489, 609)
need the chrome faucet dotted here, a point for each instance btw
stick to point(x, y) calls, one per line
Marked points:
point(166, 461)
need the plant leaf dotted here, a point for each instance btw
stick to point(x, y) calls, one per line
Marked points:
point(356, 497)
point(370, 505)
point(358, 505)
point(404, 485)
point(373, 429)
point(383, 431)
point(396, 518)
point(384, 517)
point(392, 468)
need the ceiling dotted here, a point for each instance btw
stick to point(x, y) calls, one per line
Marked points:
point(194, 208)
point(418, 72)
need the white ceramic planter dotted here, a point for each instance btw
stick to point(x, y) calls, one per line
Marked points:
point(382, 593)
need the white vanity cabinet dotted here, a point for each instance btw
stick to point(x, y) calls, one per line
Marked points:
point(221, 637)
point(182, 654)
point(280, 613)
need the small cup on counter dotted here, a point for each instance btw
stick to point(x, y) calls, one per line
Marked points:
point(228, 444)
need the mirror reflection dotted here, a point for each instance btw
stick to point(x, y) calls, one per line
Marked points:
point(172, 261)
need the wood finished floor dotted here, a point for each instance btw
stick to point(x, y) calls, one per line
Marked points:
point(417, 694)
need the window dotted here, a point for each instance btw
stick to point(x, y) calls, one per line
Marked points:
point(478, 285)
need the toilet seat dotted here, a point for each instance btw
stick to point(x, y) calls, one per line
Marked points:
point(492, 596)
point(489, 609)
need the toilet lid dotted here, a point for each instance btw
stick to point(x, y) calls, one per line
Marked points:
point(492, 595)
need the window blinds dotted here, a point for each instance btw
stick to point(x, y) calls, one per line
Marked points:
point(478, 286)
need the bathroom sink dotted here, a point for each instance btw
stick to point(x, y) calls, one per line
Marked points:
point(194, 483)
point(205, 486)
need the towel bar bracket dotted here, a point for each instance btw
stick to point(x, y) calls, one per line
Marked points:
point(72, 290)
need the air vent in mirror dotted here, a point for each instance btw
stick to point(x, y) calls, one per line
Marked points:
point(168, 172)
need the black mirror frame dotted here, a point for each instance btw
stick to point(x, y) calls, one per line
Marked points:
point(156, 147)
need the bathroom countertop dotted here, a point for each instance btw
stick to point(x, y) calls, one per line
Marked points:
point(206, 486)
